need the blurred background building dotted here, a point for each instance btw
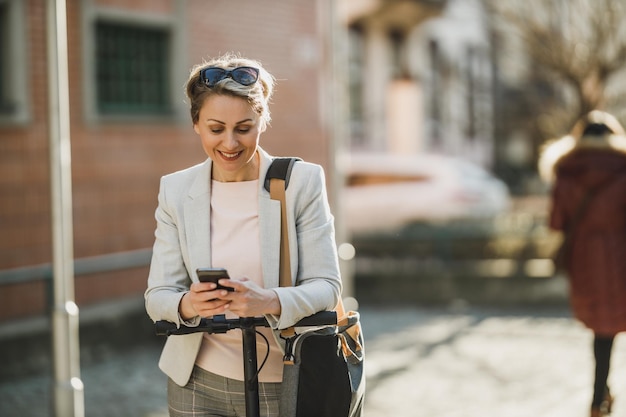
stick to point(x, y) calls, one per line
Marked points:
point(422, 113)
point(420, 78)
point(439, 106)
point(427, 115)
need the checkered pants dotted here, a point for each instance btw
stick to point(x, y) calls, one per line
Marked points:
point(210, 395)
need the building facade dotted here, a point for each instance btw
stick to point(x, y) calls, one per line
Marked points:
point(420, 78)
point(128, 62)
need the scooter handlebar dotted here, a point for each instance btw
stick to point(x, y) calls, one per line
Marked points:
point(219, 324)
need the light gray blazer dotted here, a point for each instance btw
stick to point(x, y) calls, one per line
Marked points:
point(182, 244)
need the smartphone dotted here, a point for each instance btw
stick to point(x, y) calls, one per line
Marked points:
point(214, 275)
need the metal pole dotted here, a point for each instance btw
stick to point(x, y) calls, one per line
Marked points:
point(68, 387)
point(251, 378)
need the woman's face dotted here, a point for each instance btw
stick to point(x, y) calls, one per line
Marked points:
point(230, 131)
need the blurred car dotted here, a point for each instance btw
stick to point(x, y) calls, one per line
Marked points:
point(385, 191)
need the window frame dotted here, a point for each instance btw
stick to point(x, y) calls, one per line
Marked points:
point(92, 15)
point(15, 79)
point(123, 95)
point(356, 94)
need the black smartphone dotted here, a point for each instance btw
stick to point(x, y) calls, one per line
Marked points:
point(214, 275)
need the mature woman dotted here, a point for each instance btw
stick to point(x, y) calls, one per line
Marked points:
point(218, 214)
point(589, 206)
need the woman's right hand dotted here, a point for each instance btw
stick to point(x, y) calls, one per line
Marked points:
point(202, 300)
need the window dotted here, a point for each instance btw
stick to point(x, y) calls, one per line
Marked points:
point(132, 69)
point(13, 87)
point(470, 91)
point(5, 101)
point(397, 42)
point(435, 93)
point(355, 80)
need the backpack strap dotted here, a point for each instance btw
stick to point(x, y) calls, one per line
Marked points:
point(276, 182)
point(280, 169)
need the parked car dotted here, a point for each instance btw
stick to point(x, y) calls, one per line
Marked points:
point(384, 191)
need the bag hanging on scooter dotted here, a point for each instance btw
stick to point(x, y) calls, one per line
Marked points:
point(323, 372)
point(323, 369)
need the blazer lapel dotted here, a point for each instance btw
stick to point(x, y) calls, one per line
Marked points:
point(198, 221)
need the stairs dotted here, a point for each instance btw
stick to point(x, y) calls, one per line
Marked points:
point(503, 260)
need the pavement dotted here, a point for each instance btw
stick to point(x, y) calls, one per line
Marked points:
point(447, 361)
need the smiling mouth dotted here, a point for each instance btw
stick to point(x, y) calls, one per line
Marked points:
point(228, 155)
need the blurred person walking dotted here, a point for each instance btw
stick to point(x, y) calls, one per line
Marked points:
point(218, 214)
point(588, 204)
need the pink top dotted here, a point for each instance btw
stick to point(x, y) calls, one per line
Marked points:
point(235, 246)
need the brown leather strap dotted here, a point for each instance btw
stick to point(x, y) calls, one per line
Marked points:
point(277, 192)
point(342, 318)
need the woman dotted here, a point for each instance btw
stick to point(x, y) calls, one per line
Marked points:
point(218, 214)
point(589, 206)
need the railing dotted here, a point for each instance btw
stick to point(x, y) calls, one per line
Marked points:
point(82, 266)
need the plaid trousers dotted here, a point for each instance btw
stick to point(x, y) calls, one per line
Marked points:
point(210, 395)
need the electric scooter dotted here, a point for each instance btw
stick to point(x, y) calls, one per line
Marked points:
point(220, 324)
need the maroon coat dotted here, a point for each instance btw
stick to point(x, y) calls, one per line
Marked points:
point(597, 265)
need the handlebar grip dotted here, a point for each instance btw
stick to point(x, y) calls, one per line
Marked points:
point(167, 328)
point(321, 318)
point(217, 324)
point(164, 328)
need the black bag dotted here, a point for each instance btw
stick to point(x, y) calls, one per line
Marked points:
point(323, 370)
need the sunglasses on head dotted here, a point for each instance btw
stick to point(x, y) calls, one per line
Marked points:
point(243, 75)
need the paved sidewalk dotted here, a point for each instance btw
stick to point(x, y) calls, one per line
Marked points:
point(485, 364)
point(433, 362)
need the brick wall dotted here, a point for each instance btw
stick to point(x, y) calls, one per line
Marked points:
point(116, 166)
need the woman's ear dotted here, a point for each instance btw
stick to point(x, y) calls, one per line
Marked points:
point(196, 129)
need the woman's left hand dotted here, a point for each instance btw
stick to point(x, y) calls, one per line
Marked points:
point(249, 299)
